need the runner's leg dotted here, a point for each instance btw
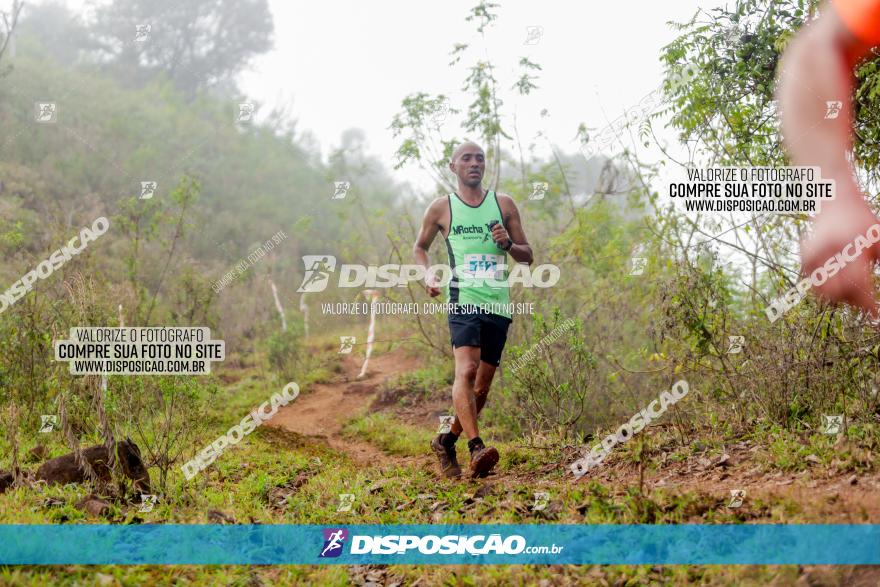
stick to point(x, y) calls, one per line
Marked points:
point(485, 373)
point(467, 361)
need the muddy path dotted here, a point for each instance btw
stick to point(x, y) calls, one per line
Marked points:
point(320, 413)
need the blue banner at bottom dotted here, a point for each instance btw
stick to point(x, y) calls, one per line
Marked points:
point(760, 544)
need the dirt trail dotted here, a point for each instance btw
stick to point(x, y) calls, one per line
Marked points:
point(322, 411)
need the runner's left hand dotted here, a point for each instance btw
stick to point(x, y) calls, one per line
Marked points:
point(499, 235)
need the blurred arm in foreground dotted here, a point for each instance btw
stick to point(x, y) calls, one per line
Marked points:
point(817, 68)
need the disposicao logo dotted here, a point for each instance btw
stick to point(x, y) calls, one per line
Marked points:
point(480, 545)
point(318, 270)
point(334, 538)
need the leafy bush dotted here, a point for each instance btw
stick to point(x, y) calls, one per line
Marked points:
point(285, 351)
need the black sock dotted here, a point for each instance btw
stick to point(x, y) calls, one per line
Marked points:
point(475, 443)
point(448, 439)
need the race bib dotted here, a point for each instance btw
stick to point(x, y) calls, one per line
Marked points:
point(480, 266)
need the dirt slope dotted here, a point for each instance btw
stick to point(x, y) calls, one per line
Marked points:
point(322, 411)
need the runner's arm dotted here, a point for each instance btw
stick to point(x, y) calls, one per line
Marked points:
point(512, 229)
point(430, 228)
point(817, 69)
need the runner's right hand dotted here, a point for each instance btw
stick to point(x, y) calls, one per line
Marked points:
point(432, 286)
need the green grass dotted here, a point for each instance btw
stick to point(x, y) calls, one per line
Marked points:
point(445, 575)
point(421, 384)
point(847, 452)
point(390, 435)
point(252, 482)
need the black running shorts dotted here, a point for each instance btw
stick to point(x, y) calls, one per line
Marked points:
point(474, 327)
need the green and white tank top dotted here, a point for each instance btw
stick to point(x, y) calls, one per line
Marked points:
point(477, 275)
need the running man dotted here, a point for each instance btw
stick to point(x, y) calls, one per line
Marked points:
point(817, 69)
point(320, 271)
point(334, 542)
point(480, 228)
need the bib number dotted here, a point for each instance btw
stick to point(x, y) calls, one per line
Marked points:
point(478, 266)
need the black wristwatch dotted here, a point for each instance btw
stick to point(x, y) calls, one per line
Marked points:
point(509, 245)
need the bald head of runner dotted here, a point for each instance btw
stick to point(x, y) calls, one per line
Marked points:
point(468, 163)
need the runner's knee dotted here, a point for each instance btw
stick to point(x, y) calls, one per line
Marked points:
point(466, 370)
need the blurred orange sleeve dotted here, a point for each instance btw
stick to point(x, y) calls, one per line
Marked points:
point(861, 17)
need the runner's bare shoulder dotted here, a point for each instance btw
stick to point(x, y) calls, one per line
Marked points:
point(438, 212)
point(438, 205)
point(507, 205)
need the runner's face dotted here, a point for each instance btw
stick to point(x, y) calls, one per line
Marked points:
point(469, 166)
